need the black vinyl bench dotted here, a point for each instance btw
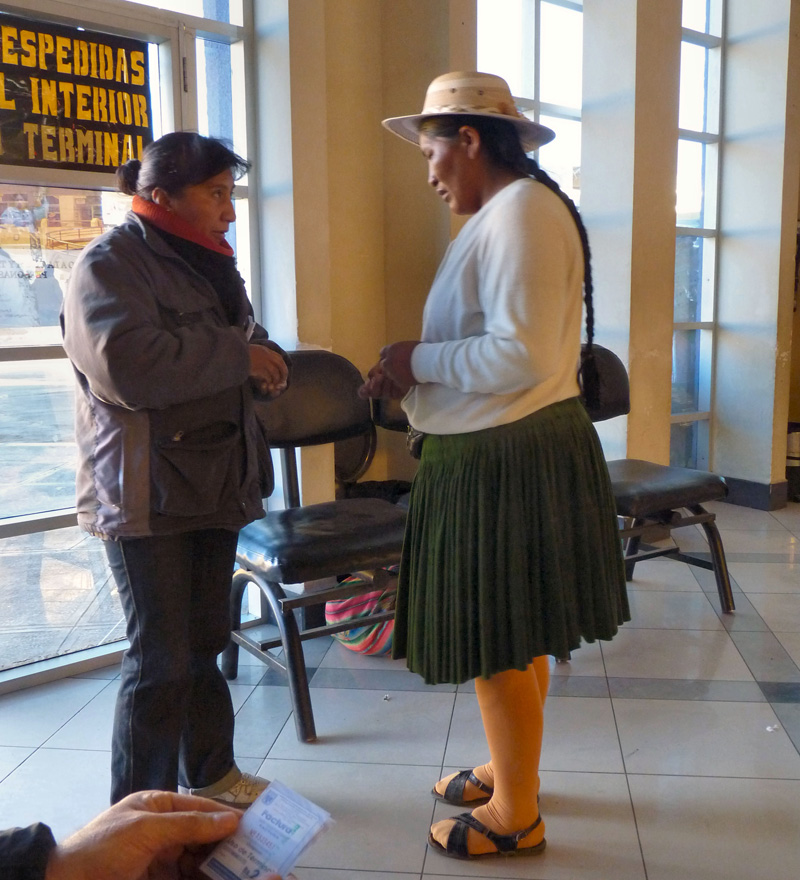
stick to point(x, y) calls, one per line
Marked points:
point(653, 500)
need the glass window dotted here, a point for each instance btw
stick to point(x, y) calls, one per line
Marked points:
point(561, 56)
point(689, 444)
point(56, 592)
point(37, 444)
point(696, 195)
point(217, 10)
point(704, 16)
point(691, 371)
point(695, 15)
point(42, 231)
point(57, 596)
point(692, 104)
point(561, 158)
point(694, 278)
point(502, 48)
point(699, 88)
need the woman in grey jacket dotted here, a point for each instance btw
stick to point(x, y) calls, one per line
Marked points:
point(172, 462)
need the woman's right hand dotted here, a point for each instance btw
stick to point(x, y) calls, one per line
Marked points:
point(378, 384)
point(268, 370)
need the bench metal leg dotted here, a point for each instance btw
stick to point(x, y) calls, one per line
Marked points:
point(631, 546)
point(230, 656)
point(721, 573)
point(294, 661)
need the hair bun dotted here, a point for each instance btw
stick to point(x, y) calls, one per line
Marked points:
point(127, 177)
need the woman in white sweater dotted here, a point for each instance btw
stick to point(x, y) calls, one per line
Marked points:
point(512, 551)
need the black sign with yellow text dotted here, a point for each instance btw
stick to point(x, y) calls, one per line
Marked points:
point(70, 98)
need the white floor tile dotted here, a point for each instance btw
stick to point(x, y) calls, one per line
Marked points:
point(339, 657)
point(663, 574)
point(91, 727)
point(789, 517)
point(11, 757)
point(665, 653)
point(382, 813)
point(791, 641)
point(328, 874)
point(63, 787)
point(260, 720)
point(709, 829)
point(668, 610)
point(734, 516)
point(716, 739)
point(30, 717)
point(587, 660)
point(766, 577)
point(410, 727)
point(745, 541)
point(780, 611)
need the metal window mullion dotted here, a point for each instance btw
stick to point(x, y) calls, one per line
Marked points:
point(693, 325)
point(720, 162)
point(567, 4)
point(700, 137)
point(698, 416)
point(11, 353)
point(695, 232)
point(559, 110)
point(33, 523)
point(697, 38)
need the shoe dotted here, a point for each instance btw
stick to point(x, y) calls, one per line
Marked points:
point(236, 789)
point(454, 793)
point(507, 844)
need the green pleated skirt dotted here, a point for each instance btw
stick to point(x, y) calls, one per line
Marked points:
point(512, 548)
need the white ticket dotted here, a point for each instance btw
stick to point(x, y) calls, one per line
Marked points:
point(270, 838)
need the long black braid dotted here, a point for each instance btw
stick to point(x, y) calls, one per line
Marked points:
point(587, 373)
point(588, 288)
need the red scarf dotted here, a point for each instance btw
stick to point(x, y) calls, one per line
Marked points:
point(172, 223)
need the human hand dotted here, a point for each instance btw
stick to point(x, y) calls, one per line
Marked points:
point(392, 375)
point(150, 835)
point(396, 363)
point(268, 370)
point(378, 384)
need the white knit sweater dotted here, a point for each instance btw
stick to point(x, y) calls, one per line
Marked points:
point(502, 323)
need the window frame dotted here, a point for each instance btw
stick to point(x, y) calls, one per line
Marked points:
point(176, 35)
point(709, 42)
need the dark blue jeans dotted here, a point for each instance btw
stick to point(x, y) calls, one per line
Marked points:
point(174, 718)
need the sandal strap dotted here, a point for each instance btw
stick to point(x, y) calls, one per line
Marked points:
point(505, 843)
point(455, 788)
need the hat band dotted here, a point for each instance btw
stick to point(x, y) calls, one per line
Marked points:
point(460, 108)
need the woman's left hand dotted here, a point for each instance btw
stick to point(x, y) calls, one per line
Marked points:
point(268, 371)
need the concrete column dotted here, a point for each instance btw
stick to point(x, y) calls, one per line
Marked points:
point(630, 129)
point(758, 223)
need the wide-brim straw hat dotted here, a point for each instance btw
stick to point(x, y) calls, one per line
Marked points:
point(472, 93)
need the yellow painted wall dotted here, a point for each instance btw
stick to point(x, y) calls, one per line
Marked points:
point(368, 231)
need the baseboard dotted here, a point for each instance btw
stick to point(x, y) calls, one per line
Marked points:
point(761, 496)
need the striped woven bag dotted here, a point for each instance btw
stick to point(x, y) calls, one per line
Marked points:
point(374, 638)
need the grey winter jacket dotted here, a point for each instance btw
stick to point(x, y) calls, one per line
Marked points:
point(167, 438)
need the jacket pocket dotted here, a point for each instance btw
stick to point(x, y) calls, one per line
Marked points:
point(192, 472)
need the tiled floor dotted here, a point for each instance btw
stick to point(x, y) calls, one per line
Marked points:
point(669, 753)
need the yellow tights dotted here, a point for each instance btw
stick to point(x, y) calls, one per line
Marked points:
point(512, 711)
